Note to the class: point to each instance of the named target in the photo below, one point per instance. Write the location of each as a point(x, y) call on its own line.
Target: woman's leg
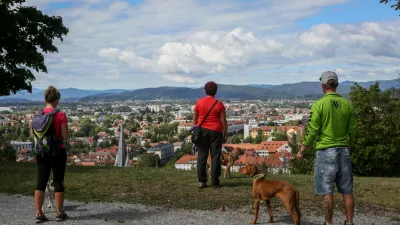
point(202, 155)
point(43, 173)
point(215, 149)
point(58, 179)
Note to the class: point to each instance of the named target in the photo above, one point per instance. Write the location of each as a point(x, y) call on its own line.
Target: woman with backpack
point(50, 134)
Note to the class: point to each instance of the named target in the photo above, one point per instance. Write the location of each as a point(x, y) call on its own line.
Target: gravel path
point(16, 209)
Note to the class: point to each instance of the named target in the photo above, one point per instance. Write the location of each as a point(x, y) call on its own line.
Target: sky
point(150, 43)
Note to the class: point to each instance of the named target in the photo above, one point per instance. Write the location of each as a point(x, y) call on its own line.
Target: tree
point(95, 138)
point(271, 124)
point(249, 139)
point(259, 137)
point(8, 152)
point(185, 149)
point(149, 119)
point(147, 145)
point(396, 6)
point(147, 160)
point(24, 37)
point(172, 140)
point(133, 140)
point(183, 134)
point(78, 134)
point(376, 151)
point(189, 116)
point(113, 142)
point(293, 123)
point(235, 139)
point(280, 135)
point(147, 135)
point(170, 164)
point(91, 132)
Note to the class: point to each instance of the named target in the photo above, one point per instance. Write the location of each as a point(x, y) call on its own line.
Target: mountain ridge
point(303, 89)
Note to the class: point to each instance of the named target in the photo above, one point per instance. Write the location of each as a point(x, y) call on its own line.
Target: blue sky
point(150, 43)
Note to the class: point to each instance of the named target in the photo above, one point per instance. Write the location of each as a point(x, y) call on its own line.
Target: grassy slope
point(175, 188)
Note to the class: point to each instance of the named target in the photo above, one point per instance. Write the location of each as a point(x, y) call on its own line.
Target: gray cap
point(328, 75)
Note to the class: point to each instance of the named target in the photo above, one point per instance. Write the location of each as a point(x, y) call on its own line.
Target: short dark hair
point(211, 88)
point(51, 94)
point(331, 84)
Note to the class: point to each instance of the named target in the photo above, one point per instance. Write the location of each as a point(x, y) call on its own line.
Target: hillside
point(245, 92)
point(224, 92)
point(67, 94)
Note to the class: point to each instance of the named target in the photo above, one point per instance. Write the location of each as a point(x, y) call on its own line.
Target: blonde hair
point(51, 94)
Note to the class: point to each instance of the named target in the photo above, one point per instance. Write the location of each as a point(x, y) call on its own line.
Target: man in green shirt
point(332, 126)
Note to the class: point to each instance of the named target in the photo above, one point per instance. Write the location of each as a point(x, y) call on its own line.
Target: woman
point(214, 130)
point(56, 163)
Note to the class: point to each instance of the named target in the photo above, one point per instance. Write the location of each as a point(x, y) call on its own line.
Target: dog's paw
point(271, 220)
point(253, 222)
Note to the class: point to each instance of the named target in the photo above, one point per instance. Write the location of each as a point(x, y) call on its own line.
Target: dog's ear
point(252, 170)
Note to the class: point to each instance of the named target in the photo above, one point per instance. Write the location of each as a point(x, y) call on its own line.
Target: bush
point(8, 152)
point(170, 164)
point(146, 160)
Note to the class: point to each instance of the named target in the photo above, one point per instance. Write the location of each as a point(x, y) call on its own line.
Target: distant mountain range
point(246, 92)
point(68, 94)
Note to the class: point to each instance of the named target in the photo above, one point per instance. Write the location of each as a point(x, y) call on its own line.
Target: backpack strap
point(54, 112)
point(216, 101)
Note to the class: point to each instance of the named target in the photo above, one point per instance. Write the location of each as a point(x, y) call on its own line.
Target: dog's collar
point(258, 176)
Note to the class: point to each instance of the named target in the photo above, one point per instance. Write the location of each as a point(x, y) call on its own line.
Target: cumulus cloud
point(204, 53)
point(179, 79)
point(186, 41)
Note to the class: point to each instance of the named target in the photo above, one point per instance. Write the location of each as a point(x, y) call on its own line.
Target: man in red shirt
point(214, 134)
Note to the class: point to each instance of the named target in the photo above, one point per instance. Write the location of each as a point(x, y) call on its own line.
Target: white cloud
point(204, 53)
point(179, 79)
point(120, 44)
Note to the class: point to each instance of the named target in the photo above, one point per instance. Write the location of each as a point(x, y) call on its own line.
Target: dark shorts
point(333, 166)
point(50, 163)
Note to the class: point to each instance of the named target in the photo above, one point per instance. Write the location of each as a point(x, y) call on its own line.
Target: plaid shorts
point(333, 165)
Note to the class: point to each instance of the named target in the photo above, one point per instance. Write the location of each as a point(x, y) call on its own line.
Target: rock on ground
point(17, 209)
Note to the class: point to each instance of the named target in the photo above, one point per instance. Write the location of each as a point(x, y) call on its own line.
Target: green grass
point(178, 189)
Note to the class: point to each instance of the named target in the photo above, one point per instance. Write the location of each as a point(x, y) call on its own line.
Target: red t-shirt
point(213, 120)
point(58, 119)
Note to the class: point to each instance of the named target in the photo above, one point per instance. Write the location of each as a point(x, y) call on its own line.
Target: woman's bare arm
point(64, 132)
point(195, 117)
point(224, 124)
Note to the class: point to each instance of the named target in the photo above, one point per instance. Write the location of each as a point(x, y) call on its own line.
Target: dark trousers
point(211, 141)
point(47, 163)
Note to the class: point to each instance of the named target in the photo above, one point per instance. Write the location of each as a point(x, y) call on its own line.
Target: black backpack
point(44, 134)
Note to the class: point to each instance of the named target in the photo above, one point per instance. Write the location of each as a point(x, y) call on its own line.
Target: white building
point(154, 108)
point(18, 145)
point(185, 126)
point(186, 162)
point(177, 145)
point(249, 127)
point(236, 126)
point(5, 109)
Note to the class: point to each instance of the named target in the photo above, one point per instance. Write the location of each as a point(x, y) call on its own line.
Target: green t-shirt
point(332, 123)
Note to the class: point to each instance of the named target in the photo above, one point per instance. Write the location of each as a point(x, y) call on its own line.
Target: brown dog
point(265, 190)
point(227, 159)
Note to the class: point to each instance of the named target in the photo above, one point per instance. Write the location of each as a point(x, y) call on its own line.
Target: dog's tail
point(297, 204)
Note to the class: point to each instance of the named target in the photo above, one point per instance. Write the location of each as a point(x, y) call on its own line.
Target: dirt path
point(16, 209)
